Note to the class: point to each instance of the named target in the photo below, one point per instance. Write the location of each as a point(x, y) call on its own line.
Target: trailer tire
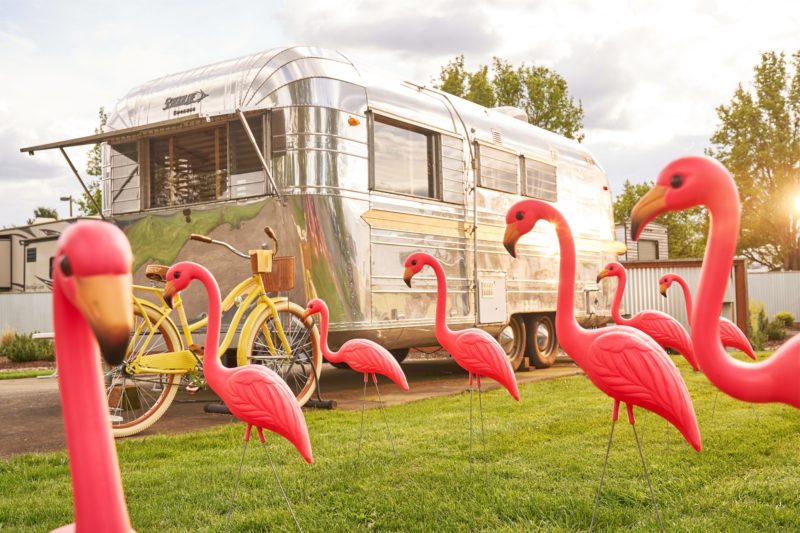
point(342, 366)
point(400, 354)
point(541, 342)
point(513, 340)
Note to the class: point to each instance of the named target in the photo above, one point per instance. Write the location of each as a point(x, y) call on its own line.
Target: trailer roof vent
point(497, 137)
point(513, 112)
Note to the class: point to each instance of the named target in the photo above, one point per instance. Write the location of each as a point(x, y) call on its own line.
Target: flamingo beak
point(646, 209)
point(407, 275)
point(169, 293)
point(662, 288)
point(510, 239)
point(105, 303)
point(306, 314)
point(603, 274)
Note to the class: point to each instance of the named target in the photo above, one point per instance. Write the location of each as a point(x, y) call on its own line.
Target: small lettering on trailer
point(184, 99)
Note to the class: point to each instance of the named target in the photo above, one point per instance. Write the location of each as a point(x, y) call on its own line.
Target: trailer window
point(189, 168)
point(498, 169)
point(540, 180)
point(452, 169)
point(403, 159)
point(247, 174)
point(124, 160)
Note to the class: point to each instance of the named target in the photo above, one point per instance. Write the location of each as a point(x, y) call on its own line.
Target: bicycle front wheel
point(300, 370)
point(137, 400)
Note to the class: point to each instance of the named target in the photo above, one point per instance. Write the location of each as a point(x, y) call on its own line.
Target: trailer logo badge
point(184, 99)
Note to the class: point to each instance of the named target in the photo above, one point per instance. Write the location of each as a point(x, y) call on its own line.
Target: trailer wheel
point(541, 343)
point(400, 354)
point(343, 366)
point(512, 340)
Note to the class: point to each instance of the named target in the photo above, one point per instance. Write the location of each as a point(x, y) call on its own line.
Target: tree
point(686, 230)
point(43, 212)
point(542, 93)
point(94, 168)
point(758, 140)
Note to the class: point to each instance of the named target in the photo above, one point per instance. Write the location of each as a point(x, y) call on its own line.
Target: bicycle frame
point(184, 360)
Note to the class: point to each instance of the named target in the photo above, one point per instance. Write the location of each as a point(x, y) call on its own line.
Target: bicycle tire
point(124, 392)
point(300, 371)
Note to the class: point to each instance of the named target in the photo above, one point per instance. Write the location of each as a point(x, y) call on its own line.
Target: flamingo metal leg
point(363, 404)
point(385, 421)
point(238, 475)
point(647, 476)
point(483, 434)
point(280, 485)
point(470, 423)
point(603, 472)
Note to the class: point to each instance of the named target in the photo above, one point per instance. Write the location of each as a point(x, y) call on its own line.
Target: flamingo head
point(520, 219)
point(612, 269)
point(664, 283)
point(179, 276)
point(414, 263)
point(93, 271)
point(315, 306)
point(684, 183)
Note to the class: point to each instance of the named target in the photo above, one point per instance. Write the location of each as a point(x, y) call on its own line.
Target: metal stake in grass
point(383, 410)
point(236, 483)
point(470, 424)
point(603, 473)
point(647, 475)
point(275, 473)
point(483, 435)
point(363, 405)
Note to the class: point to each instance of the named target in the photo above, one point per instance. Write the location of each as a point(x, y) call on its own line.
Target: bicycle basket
point(281, 278)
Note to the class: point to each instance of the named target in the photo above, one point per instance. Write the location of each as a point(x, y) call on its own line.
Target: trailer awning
point(129, 134)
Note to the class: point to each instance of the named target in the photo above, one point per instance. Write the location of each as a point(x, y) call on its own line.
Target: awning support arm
point(85, 188)
point(258, 152)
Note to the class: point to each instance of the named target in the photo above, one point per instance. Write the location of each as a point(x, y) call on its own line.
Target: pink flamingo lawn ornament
point(474, 350)
point(362, 356)
point(662, 328)
point(91, 308)
point(254, 394)
point(621, 361)
point(730, 335)
point(693, 181)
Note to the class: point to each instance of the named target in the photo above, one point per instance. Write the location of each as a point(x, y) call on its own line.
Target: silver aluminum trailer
point(355, 171)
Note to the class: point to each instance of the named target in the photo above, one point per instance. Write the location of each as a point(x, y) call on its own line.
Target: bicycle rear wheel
point(137, 401)
point(300, 370)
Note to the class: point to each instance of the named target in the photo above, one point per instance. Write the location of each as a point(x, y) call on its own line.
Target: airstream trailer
point(354, 171)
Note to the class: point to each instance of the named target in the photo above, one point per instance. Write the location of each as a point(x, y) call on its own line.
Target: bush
point(759, 323)
point(786, 318)
point(26, 348)
point(6, 338)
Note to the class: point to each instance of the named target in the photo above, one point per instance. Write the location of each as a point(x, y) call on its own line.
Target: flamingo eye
point(520, 215)
point(66, 267)
point(414, 262)
point(176, 275)
point(676, 181)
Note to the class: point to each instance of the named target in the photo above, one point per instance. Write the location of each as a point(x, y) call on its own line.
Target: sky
point(649, 75)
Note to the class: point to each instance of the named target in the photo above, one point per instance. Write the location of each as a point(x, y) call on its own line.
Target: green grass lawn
point(544, 456)
point(20, 374)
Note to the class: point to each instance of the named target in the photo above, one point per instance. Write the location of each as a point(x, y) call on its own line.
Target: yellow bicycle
point(160, 358)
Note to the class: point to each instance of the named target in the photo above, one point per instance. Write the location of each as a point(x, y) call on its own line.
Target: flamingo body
point(361, 355)
point(91, 315)
point(729, 333)
point(254, 394)
point(685, 183)
point(664, 329)
point(621, 361)
point(473, 349)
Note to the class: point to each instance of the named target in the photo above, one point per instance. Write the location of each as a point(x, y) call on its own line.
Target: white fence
point(778, 291)
point(26, 312)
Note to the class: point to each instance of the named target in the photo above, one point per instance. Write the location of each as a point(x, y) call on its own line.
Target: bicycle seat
point(156, 273)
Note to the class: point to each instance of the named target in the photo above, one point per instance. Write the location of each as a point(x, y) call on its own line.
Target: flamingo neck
point(570, 333)
point(443, 333)
point(622, 281)
point(212, 367)
point(717, 263)
point(96, 483)
point(324, 319)
point(687, 296)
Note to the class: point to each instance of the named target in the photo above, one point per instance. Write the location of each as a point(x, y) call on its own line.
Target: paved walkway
point(31, 420)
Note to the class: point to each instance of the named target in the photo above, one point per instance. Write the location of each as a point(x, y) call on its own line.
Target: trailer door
point(5, 263)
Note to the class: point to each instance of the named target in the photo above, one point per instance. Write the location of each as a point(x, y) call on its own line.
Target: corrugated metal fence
point(778, 291)
point(642, 293)
point(26, 312)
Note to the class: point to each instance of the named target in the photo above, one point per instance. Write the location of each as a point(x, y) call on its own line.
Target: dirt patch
point(7, 364)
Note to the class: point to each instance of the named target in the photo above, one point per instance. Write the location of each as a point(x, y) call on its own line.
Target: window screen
point(540, 180)
point(247, 174)
point(452, 169)
point(30, 255)
point(124, 159)
point(498, 169)
point(403, 159)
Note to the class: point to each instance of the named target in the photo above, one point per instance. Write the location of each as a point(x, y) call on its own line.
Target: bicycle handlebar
point(209, 240)
point(271, 234)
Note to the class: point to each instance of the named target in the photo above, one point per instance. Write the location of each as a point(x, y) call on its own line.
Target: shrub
point(6, 338)
point(786, 317)
point(759, 323)
point(26, 348)
point(776, 330)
